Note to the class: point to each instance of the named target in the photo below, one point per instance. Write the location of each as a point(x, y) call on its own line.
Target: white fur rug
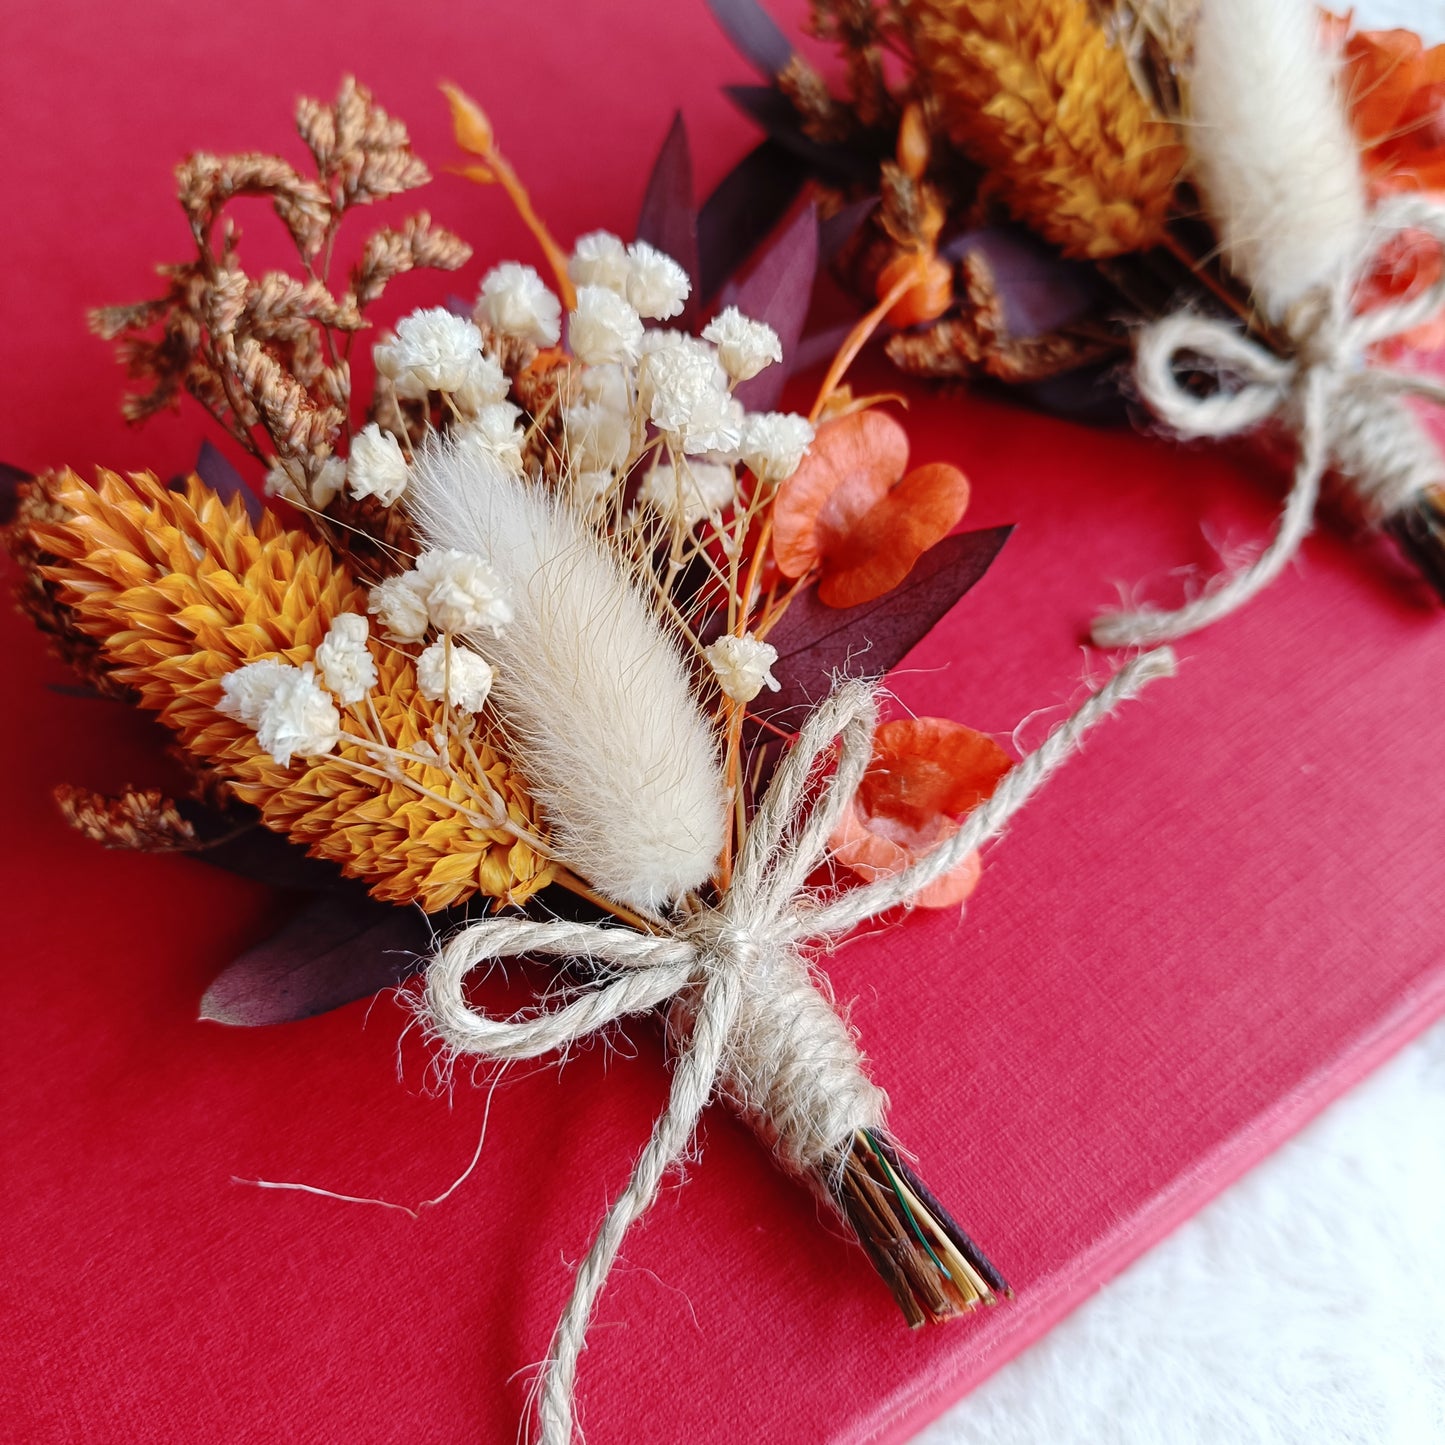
point(1305, 1306)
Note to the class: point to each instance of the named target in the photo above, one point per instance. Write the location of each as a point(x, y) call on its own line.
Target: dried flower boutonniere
point(1242, 195)
point(554, 617)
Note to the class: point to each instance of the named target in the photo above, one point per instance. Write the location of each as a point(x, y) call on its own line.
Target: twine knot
point(1345, 409)
point(747, 1016)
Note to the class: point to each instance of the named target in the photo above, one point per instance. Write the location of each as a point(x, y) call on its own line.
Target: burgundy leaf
point(225, 481)
point(10, 479)
point(842, 226)
point(249, 849)
point(668, 219)
point(1039, 289)
point(81, 690)
point(774, 112)
point(823, 345)
point(336, 950)
point(1092, 395)
point(747, 203)
point(755, 35)
point(815, 641)
point(778, 291)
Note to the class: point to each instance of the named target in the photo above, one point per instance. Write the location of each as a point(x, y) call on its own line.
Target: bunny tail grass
point(591, 692)
point(1271, 148)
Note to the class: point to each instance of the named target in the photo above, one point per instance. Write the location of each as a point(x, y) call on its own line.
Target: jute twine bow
point(1344, 410)
point(759, 1028)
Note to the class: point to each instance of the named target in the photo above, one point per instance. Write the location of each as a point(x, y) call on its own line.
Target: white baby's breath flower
point(455, 673)
point(399, 603)
point(666, 338)
point(743, 666)
point(604, 327)
point(347, 666)
point(462, 592)
point(247, 690)
point(598, 438)
point(299, 718)
point(690, 492)
point(656, 285)
point(744, 346)
point(287, 480)
point(685, 392)
point(495, 431)
point(773, 444)
point(606, 385)
point(433, 350)
point(377, 466)
point(515, 301)
point(484, 384)
point(600, 259)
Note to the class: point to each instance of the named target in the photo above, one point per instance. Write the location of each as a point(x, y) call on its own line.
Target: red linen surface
point(1224, 912)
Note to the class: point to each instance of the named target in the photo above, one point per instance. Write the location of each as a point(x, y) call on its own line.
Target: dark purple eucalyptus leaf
point(842, 226)
point(1092, 395)
point(1040, 290)
point(774, 112)
point(240, 843)
point(815, 641)
point(458, 307)
point(754, 34)
point(336, 950)
point(10, 479)
point(668, 219)
point(225, 481)
point(823, 345)
point(778, 291)
point(747, 203)
point(81, 690)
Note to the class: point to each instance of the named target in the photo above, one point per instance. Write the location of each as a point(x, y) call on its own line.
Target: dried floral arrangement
point(1227, 209)
point(542, 623)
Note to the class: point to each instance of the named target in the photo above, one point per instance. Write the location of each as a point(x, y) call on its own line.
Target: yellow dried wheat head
point(1036, 93)
point(180, 590)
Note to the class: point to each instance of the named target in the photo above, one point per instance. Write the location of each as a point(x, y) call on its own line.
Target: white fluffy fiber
point(589, 687)
point(1302, 1307)
point(1271, 147)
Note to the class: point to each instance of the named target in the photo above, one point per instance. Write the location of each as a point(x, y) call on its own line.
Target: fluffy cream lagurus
point(1271, 148)
point(589, 687)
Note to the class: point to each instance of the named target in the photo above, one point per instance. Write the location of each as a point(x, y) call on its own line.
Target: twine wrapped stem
point(1344, 410)
point(737, 970)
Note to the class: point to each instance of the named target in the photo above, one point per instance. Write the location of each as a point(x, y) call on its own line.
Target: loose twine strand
point(1344, 411)
point(738, 969)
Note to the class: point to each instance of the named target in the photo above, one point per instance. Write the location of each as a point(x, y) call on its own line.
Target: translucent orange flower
point(852, 513)
point(926, 773)
point(1410, 263)
point(1395, 87)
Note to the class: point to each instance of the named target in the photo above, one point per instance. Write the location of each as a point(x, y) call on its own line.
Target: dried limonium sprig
point(269, 355)
point(563, 674)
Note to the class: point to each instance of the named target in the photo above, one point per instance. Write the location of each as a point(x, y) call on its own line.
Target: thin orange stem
point(857, 339)
point(510, 182)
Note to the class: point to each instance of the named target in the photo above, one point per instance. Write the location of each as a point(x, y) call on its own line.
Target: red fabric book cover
point(1218, 917)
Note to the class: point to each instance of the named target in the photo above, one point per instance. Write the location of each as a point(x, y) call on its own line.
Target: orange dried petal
point(929, 766)
point(876, 551)
point(863, 455)
point(872, 856)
